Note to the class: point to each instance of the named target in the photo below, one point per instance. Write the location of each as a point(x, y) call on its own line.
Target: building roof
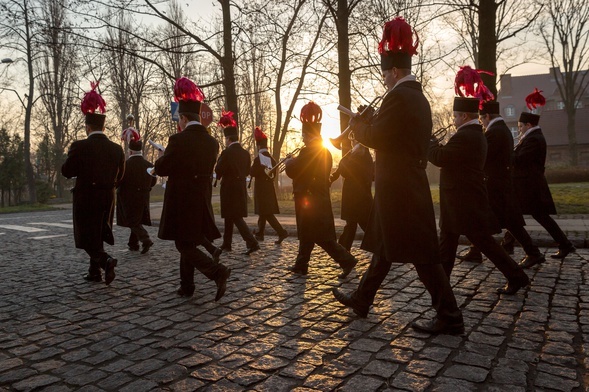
point(553, 119)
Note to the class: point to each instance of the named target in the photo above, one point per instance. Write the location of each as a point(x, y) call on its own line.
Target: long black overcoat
point(133, 193)
point(464, 204)
point(188, 162)
point(265, 202)
point(498, 169)
point(529, 181)
point(402, 224)
point(232, 169)
point(98, 164)
point(357, 169)
point(310, 172)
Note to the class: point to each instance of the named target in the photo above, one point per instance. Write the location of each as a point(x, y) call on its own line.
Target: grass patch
point(571, 198)
point(26, 208)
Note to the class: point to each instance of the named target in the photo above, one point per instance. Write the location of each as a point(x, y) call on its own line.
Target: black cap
point(96, 119)
point(490, 107)
point(189, 107)
point(531, 118)
point(135, 145)
point(312, 128)
point(466, 105)
point(389, 60)
point(230, 131)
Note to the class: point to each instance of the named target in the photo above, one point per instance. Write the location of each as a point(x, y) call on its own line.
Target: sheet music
point(155, 145)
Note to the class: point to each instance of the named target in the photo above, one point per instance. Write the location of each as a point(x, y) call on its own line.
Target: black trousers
point(208, 245)
point(245, 232)
point(97, 260)
point(192, 258)
point(271, 219)
point(551, 227)
point(487, 244)
point(138, 233)
point(333, 249)
point(520, 234)
point(349, 233)
point(432, 276)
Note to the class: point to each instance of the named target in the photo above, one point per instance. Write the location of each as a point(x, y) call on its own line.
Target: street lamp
point(6, 61)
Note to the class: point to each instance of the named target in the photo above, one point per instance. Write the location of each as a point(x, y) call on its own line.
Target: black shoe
point(134, 248)
point(221, 282)
point(300, 270)
point(348, 267)
point(514, 286)
point(146, 245)
point(217, 254)
point(281, 238)
point(530, 261)
point(473, 254)
point(564, 252)
point(350, 302)
point(93, 277)
point(225, 248)
point(436, 326)
point(185, 291)
point(251, 250)
point(109, 270)
point(257, 235)
point(507, 247)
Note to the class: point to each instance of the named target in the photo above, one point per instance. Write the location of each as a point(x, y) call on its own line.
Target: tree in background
point(565, 32)
point(12, 169)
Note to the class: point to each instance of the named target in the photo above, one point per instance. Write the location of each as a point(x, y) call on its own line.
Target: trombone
point(440, 134)
point(337, 142)
point(280, 165)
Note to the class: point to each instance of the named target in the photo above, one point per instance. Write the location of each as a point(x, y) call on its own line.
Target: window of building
point(578, 104)
point(555, 156)
point(515, 134)
point(510, 111)
point(560, 105)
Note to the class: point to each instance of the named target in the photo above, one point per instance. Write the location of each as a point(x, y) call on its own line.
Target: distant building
point(511, 96)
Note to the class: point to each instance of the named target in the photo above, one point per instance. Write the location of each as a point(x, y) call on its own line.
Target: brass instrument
point(440, 134)
point(281, 165)
point(337, 142)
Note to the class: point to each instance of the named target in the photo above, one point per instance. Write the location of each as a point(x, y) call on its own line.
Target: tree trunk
point(487, 43)
point(29, 108)
point(571, 121)
point(344, 74)
point(227, 62)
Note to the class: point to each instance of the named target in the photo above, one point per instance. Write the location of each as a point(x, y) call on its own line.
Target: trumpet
point(440, 134)
point(280, 165)
point(337, 142)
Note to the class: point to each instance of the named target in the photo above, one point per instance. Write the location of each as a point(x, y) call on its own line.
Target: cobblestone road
point(273, 331)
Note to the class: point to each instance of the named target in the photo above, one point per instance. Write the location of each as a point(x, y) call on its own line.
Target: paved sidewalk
point(275, 331)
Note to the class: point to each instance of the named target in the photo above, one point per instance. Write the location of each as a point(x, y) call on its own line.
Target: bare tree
point(19, 27)
point(566, 35)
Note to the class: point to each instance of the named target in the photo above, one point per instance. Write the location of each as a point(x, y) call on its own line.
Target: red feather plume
point(397, 36)
point(311, 113)
point(92, 101)
point(259, 134)
point(186, 90)
point(468, 83)
point(535, 99)
point(227, 119)
point(130, 134)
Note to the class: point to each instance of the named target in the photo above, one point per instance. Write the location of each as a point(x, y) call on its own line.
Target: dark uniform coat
point(133, 193)
point(310, 172)
point(528, 176)
point(265, 202)
point(464, 204)
point(498, 169)
point(188, 162)
point(357, 169)
point(402, 225)
point(98, 164)
point(233, 167)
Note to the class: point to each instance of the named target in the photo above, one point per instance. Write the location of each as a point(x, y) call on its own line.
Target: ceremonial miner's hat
point(490, 107)
point(397, 45)
point(533, 101)
point(135, 145)
point(472, 92)
point(228, 123)
point(92, 102)
point(311, 115)
point(188, 95)
point(260, 137)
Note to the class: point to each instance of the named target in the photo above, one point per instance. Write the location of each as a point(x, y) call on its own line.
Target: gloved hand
point(365, 113)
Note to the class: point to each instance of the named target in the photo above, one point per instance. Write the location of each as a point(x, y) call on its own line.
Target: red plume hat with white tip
point(228, 123)
point(311, 115)
point(397, 45)
point(92, 102)
point(188, 95)
point(472, 92)
point(260, 138)
point(533, 101)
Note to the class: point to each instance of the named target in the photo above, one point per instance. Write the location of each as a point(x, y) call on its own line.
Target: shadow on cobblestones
point(274, 331)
